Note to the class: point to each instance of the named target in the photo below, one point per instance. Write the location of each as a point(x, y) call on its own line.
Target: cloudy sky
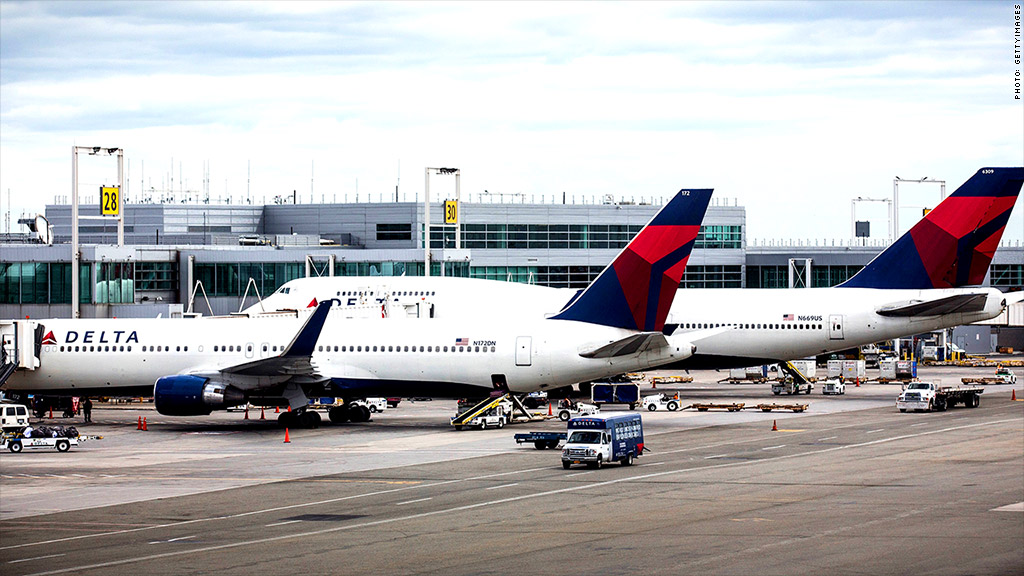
point(793, 109)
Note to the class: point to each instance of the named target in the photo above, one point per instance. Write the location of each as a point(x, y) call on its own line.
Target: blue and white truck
point(595, 440)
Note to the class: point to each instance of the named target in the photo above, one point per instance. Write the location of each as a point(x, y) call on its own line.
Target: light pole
point(896, 197)
point(426, 216)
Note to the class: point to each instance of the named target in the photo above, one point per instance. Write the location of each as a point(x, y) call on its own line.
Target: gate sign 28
point(110, 200)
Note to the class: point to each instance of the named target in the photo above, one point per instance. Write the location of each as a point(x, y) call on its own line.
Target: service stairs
point(519, 411)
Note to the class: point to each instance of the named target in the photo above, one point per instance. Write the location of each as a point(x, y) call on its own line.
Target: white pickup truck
point(927, 396)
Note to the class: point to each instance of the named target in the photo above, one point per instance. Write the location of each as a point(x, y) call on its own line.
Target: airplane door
point(524, 350)
point(249, 347)
point(835, 327)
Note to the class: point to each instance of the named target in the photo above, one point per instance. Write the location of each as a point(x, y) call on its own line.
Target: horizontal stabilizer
point(957, 303)
point(629, 346)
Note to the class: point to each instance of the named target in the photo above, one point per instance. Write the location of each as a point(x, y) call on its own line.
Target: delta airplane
point(927, 280)
point(192, 367)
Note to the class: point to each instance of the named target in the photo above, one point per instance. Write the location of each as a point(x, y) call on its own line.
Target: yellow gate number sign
point(110, 200)
point(451, 212)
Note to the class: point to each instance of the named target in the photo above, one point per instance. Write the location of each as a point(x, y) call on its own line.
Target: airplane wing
point(296, 358)
point(947, 305)
point(628, 346)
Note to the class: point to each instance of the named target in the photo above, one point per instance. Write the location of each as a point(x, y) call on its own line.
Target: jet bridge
point(20, 342)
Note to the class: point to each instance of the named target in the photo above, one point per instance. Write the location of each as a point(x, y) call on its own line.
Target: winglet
point(305, 341)
point(635, 291)
point(953, 245)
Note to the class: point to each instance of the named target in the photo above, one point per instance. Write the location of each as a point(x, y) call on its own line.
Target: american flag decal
point(787, 316)
point(462, 341)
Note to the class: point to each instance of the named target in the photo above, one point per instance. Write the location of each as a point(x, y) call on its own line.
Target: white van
point(13, 416)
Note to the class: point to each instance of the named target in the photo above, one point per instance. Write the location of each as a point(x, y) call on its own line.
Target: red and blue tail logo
point(635, 291)
point(953, 245)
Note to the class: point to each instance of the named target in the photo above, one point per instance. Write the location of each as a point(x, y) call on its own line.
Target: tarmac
point(851, 486)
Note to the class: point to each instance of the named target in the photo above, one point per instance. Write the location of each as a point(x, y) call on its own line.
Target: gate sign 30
point(110, 200)
point(451, 212)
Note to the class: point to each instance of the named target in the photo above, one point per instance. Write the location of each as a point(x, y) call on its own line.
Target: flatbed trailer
point(927, 396)
point(736, 407)
point(793, 407)
point(541, 440)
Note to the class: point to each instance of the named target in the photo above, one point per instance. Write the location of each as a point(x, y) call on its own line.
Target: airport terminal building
point(228, 250)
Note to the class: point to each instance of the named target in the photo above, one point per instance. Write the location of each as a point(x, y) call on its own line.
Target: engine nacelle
point(193, 396)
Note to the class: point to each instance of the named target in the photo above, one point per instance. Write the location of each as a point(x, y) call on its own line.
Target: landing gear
point(304, 419)
point(349, 413)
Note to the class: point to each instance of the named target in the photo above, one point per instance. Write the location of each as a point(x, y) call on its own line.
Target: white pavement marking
point(173, 540)
point(716, 456)
point(36, 558)
point(774, 447)
point(873, 431)
point(493, 502)
point(281, 523)
point(413, 501)
point(1018, 507)
point(502, 486)
point(651, 464)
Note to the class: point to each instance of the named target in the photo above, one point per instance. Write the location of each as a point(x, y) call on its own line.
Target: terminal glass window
point(402, 231)
point(712, 277)
point(1007, 275)
point(767, 277)
point(115, 283)
point(42, 283)
point(156, 276)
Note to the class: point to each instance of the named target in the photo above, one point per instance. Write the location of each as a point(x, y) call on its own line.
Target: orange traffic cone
point(277, 409)
point(550, 413)
point(1013, 395)
point(262, 417)
point(654, 384)
point(246, 413)
point(51, 411)
point(139, 425)
point(774, 427)
point(858, 383)
point(144, 427)
point(286, 439)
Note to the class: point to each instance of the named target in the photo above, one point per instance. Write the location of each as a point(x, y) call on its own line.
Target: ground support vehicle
point(795, 380)
point(16, 442)
point(927, 396)
point(535, 399)
point(13, 417)
point(660, 402)
point(569, 408)
point(595, 440)
point(493, 411)
point(374, 405)
point(833, 386)
point(615, 393)
point(1003, 376)
point(729, 407)
point(793, 407)
point(790, 386)
point(541, 440)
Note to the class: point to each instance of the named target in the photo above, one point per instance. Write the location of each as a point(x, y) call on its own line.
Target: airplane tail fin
point(953, 244)
point(635, 291)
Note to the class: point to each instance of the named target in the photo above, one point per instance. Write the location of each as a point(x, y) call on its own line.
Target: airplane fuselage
point(445, 358)
point(765, 325)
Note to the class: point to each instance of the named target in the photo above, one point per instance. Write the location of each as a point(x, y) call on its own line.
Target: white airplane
point(922, 282)
point(192, 367)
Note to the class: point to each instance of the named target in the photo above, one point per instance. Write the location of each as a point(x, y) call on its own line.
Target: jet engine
point(193, 396)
